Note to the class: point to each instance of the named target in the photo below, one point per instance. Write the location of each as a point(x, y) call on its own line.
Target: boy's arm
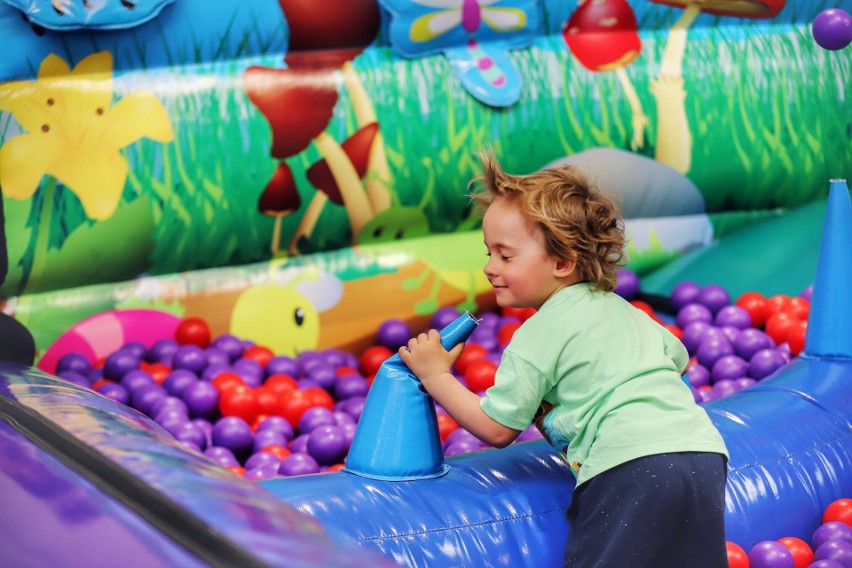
point(431, 363)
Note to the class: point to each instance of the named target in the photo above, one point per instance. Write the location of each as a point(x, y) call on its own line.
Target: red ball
point(292, 404)
point(840, 510)
point(506, 331)
point(259, 354)
point(646, 307)
point(802, 553)
point(480, 375)
point(237, 470)
point(277, 450)
point(778, 326)
point(267, 400)
point(799, 307)
point(522, 314)
point(446, 426)
point(472, 352)
point(158, 372)
point(737, 557)
point(334, 468)
point(319, 397)
point(674, 330)
point(227, 381)
point(240, 401)
point(372, 358)
point(777, 303)
point(796, 337)
point(193, 331)
point(756, 305)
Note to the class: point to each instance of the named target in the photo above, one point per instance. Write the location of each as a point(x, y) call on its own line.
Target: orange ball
point(480, 375)
point(756, 305)
point(193, 331)
point(801, 551)
point(840, 510)
point(737, 557)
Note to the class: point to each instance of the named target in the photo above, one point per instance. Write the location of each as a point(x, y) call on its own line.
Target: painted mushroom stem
point(278, 199)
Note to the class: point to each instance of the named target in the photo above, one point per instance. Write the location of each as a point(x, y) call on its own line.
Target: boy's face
point(519, 268)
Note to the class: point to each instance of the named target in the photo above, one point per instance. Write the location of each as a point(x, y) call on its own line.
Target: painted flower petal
point(97, 178)
point(23, 161)
point(28, 103)
point(134, 116)
point(53, 66)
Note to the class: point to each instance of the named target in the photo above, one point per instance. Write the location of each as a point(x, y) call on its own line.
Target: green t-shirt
point(613, 376)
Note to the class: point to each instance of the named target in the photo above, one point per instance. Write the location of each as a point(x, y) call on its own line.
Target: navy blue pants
point(660, 511)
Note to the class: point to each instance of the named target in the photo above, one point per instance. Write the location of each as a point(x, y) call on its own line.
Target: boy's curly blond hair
point(578, 220)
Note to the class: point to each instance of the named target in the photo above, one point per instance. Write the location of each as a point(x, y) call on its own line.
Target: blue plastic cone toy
point(830, 320)
point(397, 437)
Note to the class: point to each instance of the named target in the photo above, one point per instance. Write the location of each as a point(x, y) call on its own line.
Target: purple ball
point(838, 550)
point(463, 447)
point(698, 375)
point(832, 29)
point(714, 297)
point(684, 293)
point(136, 379)
point(691, 313)
point(770, 554)
point(327, 444)
point(442, 317)
point(76, 378)
point(334, 357)
point(750, 341)
point(733, 316)
point(205, 426)
point(119, 364)
point(209, 373)
point(265, 471)
point(729, 367)
point(707, 395)
point(170, 419)
point(299, 444)
point(764, 363)
point(135, 347)
point(627, 283)
point(217, 357)
point(277, 423)
point(169, 402)
point(348, 430)
point(305, 360)
point(73, 362)
point(315, 417)
point(693, 335)
point(832, 530)
point(531, 433)
point(351, 385)
point(393, 334)
point(744, 382)
point(298, 464)
point(201, 398)
point(189, 432)
point(807, 292)
point(354, 406)
point(712, 349)
point(324, 375)
point(341, 418)
point(308, 384)
point(190, 357)
point(177, 381)
point(222, 456)
point(250, 370)
point(725, 387)
point(114, 391)
point(825, 563)
point(146, 397)
point(230, 344)
point(234, 433)
point(282, 365)
point(161, 351)
point(262, 458)
point(269, 437)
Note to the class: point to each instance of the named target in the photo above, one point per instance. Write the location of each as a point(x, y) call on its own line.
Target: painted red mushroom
point(674, 140)
point(604, 36)
point(279, 198)
point(339, 24)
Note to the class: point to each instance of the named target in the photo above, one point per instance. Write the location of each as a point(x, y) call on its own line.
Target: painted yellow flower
point(74, 133)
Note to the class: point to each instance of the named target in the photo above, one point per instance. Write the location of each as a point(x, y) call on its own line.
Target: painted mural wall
point(296, 176)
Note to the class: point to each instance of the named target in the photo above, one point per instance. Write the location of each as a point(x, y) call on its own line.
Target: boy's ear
point(564, 267)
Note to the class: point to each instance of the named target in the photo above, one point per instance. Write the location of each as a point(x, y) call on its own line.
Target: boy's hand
point(427, 358)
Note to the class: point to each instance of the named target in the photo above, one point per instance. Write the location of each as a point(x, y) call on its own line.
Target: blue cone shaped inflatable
point(397, 437)
point(830, 320)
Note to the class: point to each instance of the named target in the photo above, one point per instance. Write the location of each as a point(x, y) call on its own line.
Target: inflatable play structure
point(296, 175)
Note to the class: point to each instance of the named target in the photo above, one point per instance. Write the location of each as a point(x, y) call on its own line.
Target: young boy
point(599, 377)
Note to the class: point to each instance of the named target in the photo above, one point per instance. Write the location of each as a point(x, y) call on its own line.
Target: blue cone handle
point(397, 438)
